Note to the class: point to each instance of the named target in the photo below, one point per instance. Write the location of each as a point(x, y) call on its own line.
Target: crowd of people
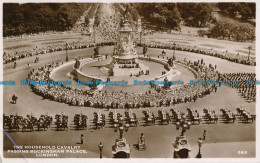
point(219, 54)
point(130, 66)
point(13, 56)
point(107, 30)
point(246, 88)
point(102, 99)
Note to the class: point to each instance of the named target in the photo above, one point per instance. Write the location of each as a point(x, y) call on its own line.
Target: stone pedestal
point(129, 69)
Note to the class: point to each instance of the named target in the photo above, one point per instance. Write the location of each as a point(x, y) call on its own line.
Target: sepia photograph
point(152, 80)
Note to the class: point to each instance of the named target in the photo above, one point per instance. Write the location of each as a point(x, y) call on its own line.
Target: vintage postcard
point(96, 81)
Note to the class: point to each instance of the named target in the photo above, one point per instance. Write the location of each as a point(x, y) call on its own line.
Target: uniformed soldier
point(81, 138)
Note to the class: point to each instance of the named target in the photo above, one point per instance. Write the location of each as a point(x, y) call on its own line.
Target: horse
point(228, 116)
point(80, 121)
point(27, 124)
point(247, 117)
point(163, 116)
point(149, 117)
point(132, 119)
point(99, 120)
point(14, 99)
point(210, 116)
point(42, 123)
point(13, 123)
point(176, 115)
point(61, 121)
point(240, 111)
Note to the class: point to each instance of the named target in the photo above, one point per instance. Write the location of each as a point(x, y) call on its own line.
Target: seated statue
point(170, 62)
point(145, 50)
point(96, 52)
point(77, 64)
point(166, 85)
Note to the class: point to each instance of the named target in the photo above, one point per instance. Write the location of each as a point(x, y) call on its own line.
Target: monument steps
point(104, 70)
point(99, 87)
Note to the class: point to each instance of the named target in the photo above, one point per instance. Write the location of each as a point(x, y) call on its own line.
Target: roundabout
point(125, 67)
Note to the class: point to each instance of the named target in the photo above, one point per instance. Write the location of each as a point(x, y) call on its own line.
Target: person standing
point(142, 139)
point(204, 135)
point(14, 64)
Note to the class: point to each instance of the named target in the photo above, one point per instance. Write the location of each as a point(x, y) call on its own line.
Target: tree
point(40, 17)
point(174, 16)
point(162, 15)
point(233, 31)
point(196, 14)
point(246, 10)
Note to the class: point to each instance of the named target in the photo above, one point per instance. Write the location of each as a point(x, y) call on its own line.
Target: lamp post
point(174, 44)
point(200, 141)
point(67, 58)
point(183, 124)
point(139, 29)
point(140, 38)
point(94, 36)
point(122, 127)
point(100, 147)
point(249, 48)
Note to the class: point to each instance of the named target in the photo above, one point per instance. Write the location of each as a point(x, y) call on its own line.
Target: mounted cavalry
point(114, 117)
point(14, 99)
point(245, 116)
point(99, 120)
point(80, 121)
point(163, 116)
point(176, 115)
point(228, 115)
point(12, 122)
point(27, 124)
point(193, 116)
point(210, 116)
point(149, 117)
point(61, 121)
point(44, 122)
point(131, 118)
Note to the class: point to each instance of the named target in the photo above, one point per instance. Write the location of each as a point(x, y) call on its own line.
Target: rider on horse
point(14, 99)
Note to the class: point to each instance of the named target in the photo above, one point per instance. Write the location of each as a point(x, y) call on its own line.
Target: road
point(157, 137)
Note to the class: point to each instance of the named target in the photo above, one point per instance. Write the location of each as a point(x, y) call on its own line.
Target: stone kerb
point(163, 62)
point(60, 67)
point(79, 75)
point(82, 76)
point(162, 77)
point(192, 70)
